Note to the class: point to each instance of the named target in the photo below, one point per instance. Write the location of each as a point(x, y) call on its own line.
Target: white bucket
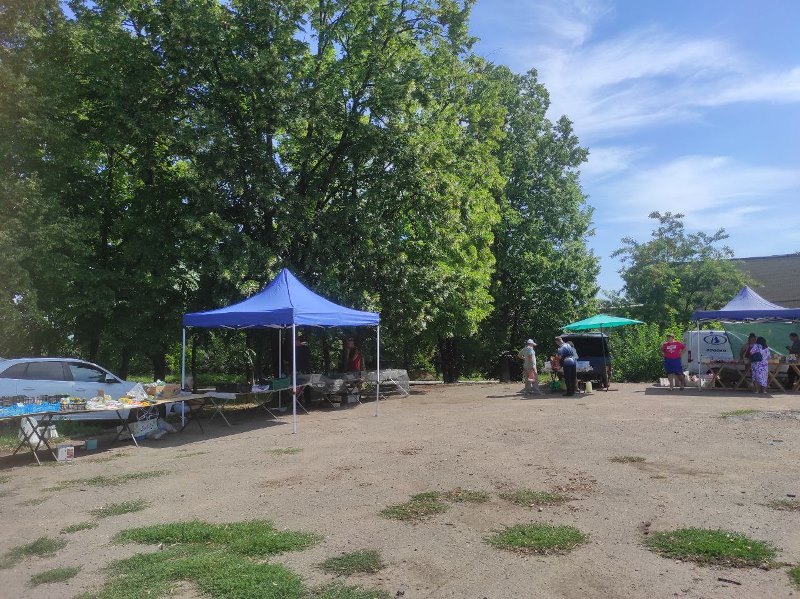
point(588, 386)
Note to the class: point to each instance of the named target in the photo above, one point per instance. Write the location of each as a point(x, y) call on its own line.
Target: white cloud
point(605, 161)
point(635, 79)
point(712, 191)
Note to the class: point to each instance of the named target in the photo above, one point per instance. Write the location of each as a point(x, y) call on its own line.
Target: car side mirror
point(110, 380)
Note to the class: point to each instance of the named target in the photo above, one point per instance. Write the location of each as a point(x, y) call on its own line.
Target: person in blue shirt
point(569, 362)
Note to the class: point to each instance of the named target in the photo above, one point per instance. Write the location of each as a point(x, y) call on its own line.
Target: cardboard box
point(65, 452)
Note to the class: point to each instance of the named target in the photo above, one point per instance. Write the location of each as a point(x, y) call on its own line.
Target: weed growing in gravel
point(107, 458)
point(5, 478)
point(284, 450)
point(527, 497)
point(367, 562)
point(785, 505)
point(418, 508)
point(34, 501)
point(627, 459)
point(460, 495)
point(107, 481)
point(538, 538)
point(718, 547)
point(794, 574)
point(340, 591)
point(191, 454)
point(117, 509)
point(54, 575)
point(41, 547)
point(78, 527)
point(734, 413)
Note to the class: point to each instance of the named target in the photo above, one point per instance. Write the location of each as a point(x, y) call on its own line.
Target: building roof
point(778, 277)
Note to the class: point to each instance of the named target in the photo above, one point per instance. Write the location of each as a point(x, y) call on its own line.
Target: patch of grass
point(794, 574)
point(215, 558)
point(742, 412)
point(367, 562)
point(74, 428)
point(5, 478)
point(54, 575)
point(41, 547)
point(215, 573)
point(107, 481)
point(9, 439)
point(527, 497)
point(785, 505)
point(420, 507)
point(256, 538)
point(460, 495)
point(538, 538)
point(78, 527)
point(340, 591)
point(117, 509)
point(627, 459)
point(706, 546)
point(34, 501)
point(284, 450)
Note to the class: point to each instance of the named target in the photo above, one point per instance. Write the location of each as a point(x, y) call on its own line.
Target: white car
point(58, 376)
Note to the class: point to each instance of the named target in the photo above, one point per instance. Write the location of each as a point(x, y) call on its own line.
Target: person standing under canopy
point(671, 351)
point(794, 350)
point(759, 363)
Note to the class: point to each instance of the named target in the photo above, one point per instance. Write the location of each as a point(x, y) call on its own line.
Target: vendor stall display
point(746, 307)
point(283, 304)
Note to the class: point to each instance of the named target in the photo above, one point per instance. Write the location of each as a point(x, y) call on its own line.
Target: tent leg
point(697, 358)
point(183, 377)
point(280, 366)
point(294, 379)
point(183, 360)
point(606, 364)
point(378, 372)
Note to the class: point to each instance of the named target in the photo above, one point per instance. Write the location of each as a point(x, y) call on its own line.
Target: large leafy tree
point(546, 274)
point(185, 151)
point(676, 272)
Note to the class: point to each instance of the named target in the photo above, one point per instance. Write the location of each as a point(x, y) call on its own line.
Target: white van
point(714, 345)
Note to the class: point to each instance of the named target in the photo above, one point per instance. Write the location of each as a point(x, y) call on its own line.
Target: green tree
point(546, 274)
point(676, 272)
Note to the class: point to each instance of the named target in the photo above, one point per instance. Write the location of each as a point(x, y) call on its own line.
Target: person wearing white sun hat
point(529, 374)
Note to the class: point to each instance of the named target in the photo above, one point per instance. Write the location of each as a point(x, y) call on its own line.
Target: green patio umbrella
point(601, 321)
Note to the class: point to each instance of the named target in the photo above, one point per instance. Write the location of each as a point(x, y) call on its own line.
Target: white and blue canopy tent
point(746, 306)
point(285, 303)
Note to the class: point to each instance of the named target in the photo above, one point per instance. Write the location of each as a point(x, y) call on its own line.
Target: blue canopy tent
point(746, 306)
point(282, 304)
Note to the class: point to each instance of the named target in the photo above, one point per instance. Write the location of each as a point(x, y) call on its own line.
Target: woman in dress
point(759, 363)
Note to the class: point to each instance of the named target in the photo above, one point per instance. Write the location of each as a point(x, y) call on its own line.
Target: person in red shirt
point(671, 350)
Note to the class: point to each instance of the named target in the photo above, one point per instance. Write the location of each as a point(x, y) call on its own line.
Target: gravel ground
point(699, 469)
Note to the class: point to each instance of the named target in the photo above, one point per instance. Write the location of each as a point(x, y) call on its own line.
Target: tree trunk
point(94, 349)
point(159, 365)
point(326, 352)
point(124, 362)
point(450, 357)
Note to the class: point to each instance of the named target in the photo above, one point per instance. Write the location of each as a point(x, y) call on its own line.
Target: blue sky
point(688, 106)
